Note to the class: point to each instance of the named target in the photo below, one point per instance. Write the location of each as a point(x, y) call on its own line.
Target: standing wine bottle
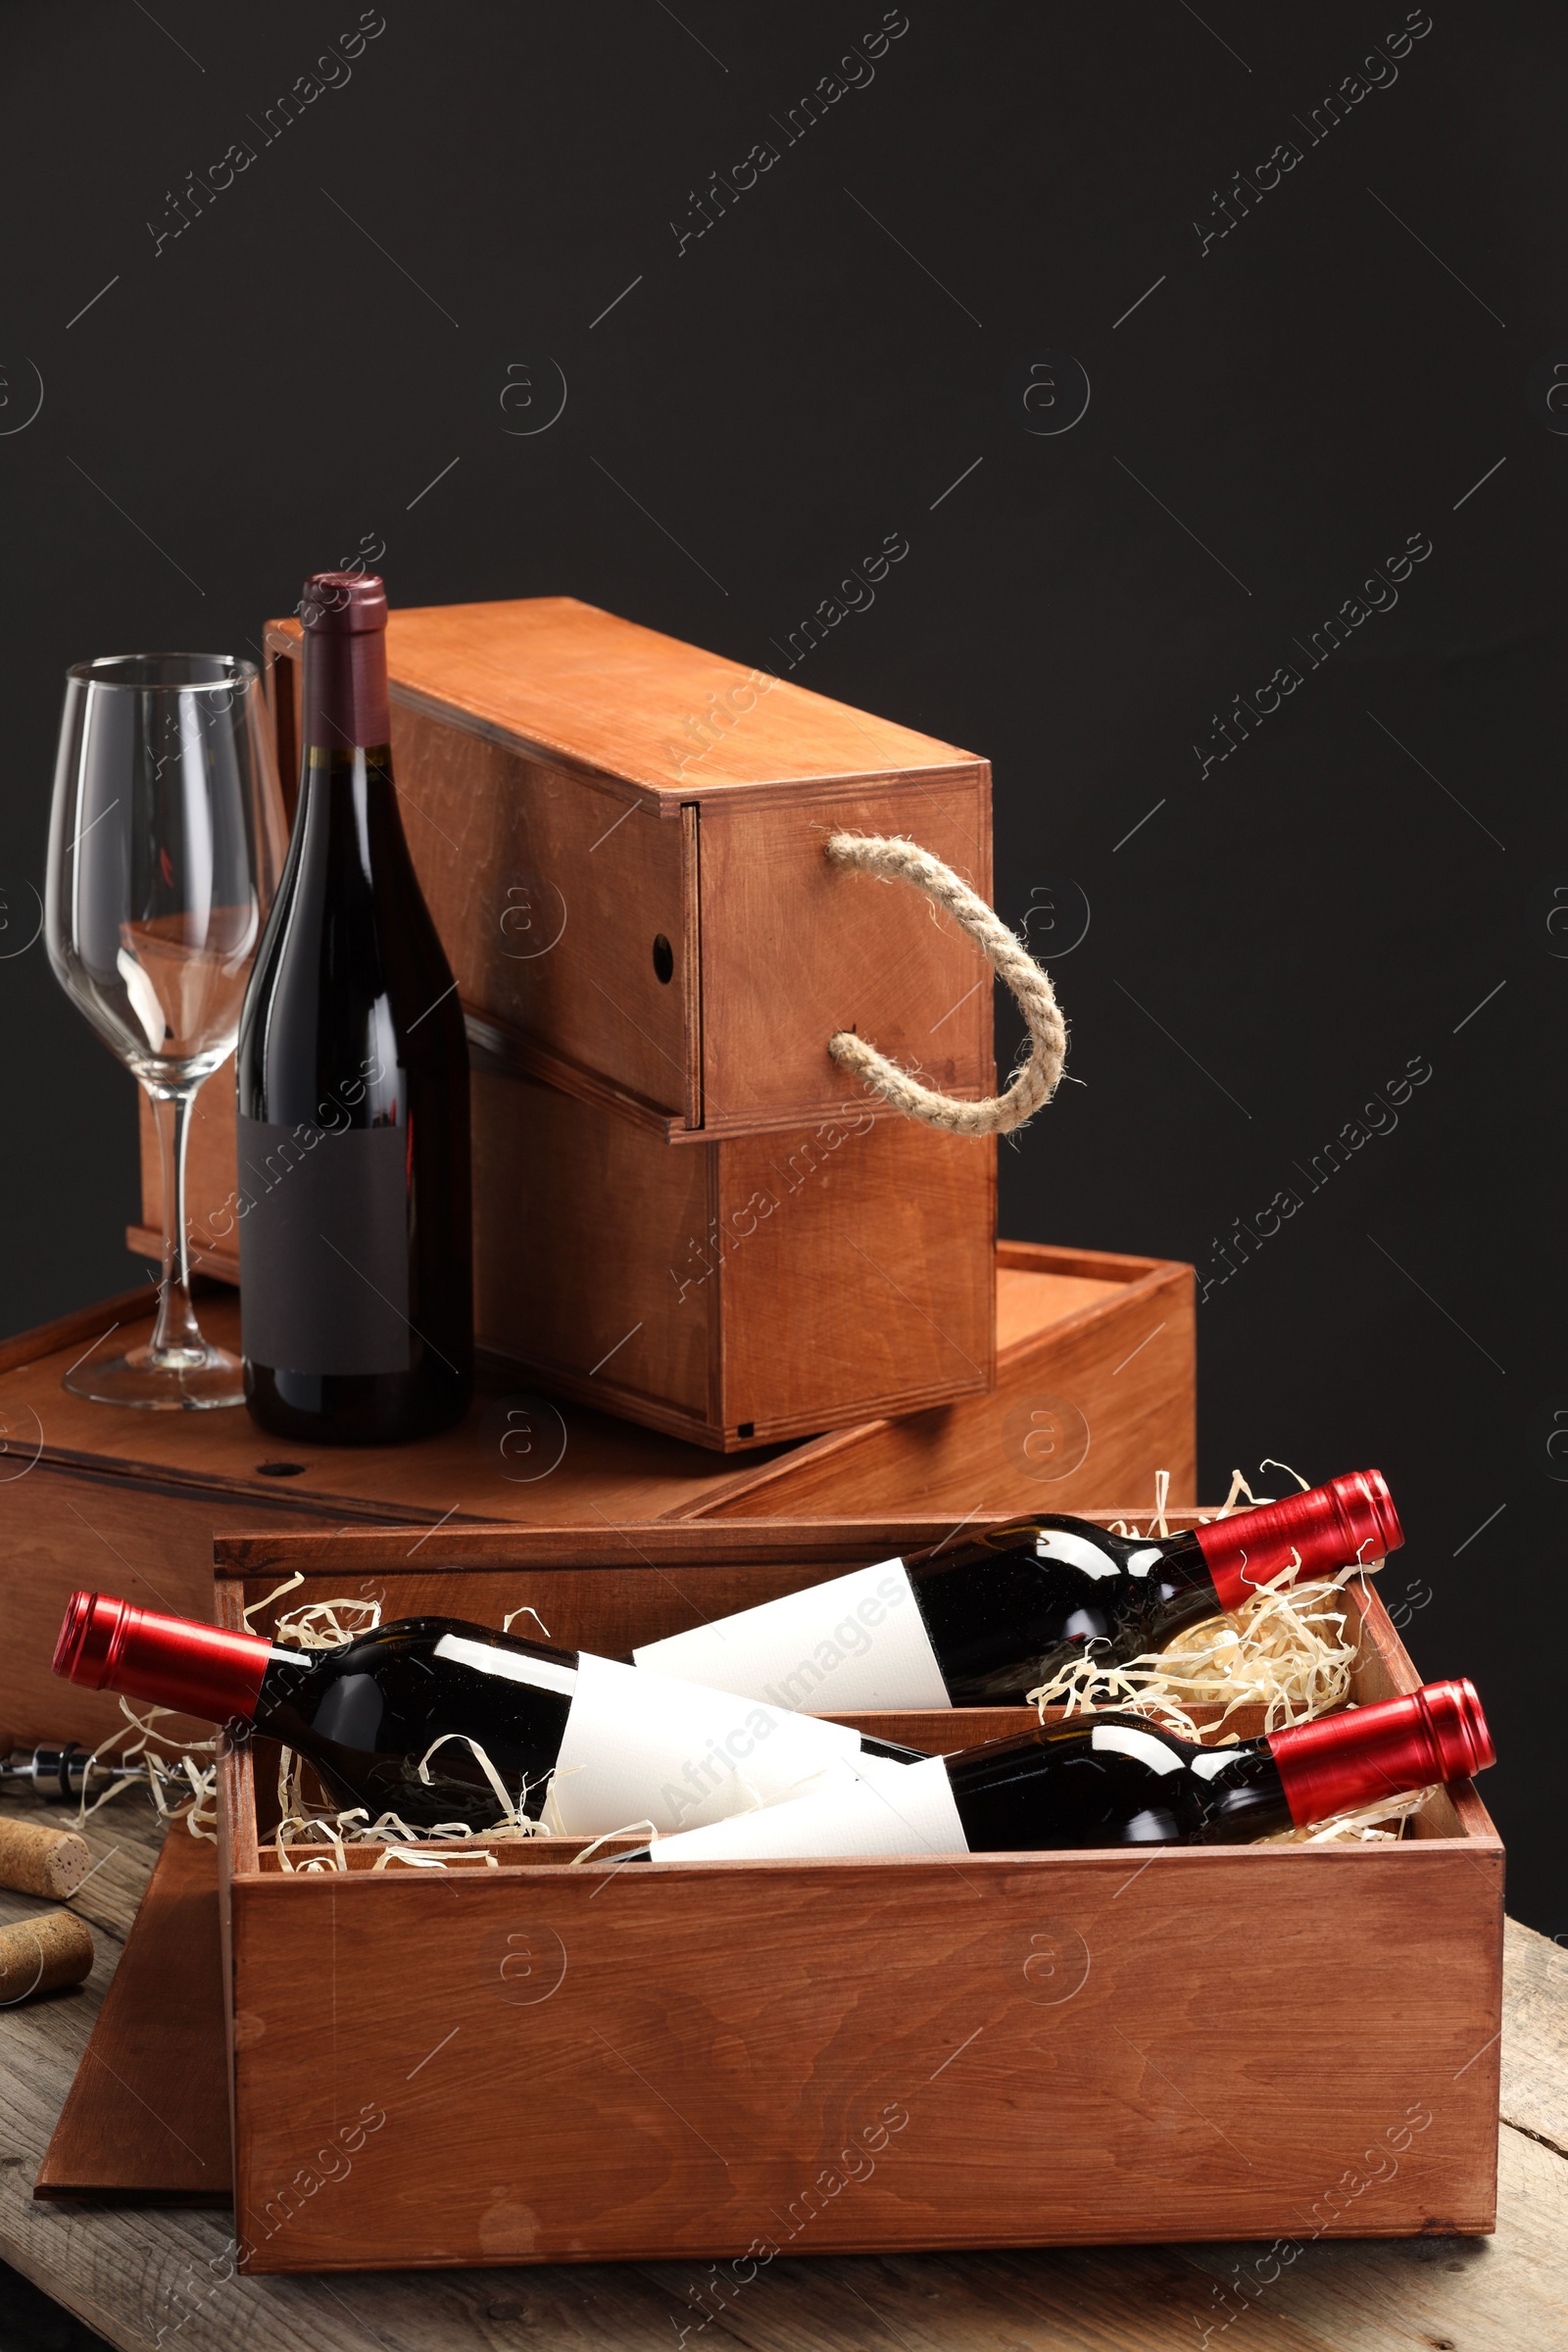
point(625, 1747)
point(1116, 1780)
point(356, 1257)
point(984, 1623)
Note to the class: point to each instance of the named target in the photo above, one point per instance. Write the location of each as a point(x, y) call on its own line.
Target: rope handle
point(1035, 1082)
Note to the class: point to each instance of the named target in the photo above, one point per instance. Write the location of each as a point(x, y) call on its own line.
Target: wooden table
point(155, 2275)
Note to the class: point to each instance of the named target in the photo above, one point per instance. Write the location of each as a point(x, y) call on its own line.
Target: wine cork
point(37, 1954)
point(36, 1859)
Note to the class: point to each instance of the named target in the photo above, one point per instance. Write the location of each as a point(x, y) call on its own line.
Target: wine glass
point(165, 843)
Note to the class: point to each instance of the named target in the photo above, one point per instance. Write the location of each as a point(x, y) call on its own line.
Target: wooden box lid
point(621, 838)
point(552, 676)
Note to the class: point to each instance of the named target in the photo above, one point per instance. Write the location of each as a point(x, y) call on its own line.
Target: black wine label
point(323, 1247)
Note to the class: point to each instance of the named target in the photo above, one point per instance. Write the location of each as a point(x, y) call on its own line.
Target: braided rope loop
point(1035, 1082)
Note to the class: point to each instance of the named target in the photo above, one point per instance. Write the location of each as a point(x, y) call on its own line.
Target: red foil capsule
point(1351, 1519)
point(1365, 1755)
point(111, 1644)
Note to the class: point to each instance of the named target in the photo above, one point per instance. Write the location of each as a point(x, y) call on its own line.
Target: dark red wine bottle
point(1118, 1779)
point(355, 1258)
point(628, 1747)
point(983, 1623)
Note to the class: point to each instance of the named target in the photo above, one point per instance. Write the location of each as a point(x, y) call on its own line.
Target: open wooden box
point(1096, 1392)
point(731, 2061)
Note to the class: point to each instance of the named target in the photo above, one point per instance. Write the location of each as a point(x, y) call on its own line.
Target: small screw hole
point(663, 960)
point(280, 1469)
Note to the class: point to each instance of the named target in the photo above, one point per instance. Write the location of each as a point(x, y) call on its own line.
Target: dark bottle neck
point(1115, 1780)
point(1007, 1611)
point(1177, 1560)
point(344, 703)
point(345, 730)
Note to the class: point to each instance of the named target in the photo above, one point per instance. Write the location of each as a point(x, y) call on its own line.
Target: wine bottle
point(617, 1746)
point(356, 1273)
point(985, 1622)
point(1116, 1780)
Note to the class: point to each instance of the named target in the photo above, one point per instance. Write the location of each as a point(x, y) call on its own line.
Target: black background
point(274, 388)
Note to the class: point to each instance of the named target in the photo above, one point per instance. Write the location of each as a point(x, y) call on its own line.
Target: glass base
point(209, 1377)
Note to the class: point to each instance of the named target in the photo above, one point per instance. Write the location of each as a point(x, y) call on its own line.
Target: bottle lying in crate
point(984, 1623)
point(1116, 1780)
point(438, 1722)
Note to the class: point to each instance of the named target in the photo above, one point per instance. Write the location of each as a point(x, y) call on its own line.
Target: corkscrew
point(57, 1772)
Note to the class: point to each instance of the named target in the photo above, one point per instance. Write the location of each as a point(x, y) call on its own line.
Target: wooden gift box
point(726, 2062)
point(1094, 1392)
point(646, 932)
point(620, 840)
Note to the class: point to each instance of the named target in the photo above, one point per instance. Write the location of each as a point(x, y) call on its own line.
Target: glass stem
point(176, 1343)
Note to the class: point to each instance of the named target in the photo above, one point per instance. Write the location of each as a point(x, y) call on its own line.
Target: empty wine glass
point(165, 842)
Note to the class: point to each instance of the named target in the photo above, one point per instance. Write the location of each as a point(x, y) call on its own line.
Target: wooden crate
point(577, 789)
point(1094, 1392)
point(736, 2061)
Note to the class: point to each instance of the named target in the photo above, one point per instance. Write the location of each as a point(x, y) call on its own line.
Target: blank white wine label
point(643, 1747)
point(885, 1808)
point(856, 1645)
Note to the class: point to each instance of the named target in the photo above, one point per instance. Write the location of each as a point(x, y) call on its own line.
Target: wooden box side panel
point(590, 1239)
point(549, 891)
point(541, 746)
point(1085, 1411)
point(794, 949)
point(858, 1273)
point(732, 2063)
point(608, 1611)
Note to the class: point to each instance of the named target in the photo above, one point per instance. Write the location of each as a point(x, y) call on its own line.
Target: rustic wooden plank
point(128, 2276)
point(1535, 2039)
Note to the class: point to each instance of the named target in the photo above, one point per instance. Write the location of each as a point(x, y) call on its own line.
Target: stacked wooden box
point(685, 1212)
point(1095, 1391)
point(686, 1217)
